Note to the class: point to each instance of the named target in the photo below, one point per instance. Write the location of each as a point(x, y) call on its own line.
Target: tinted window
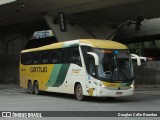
point(45, 57)
point(26, 58)
point(57, 56)
point(66, 56)
point(54, 56)
point(37, 59)
point(76, 56)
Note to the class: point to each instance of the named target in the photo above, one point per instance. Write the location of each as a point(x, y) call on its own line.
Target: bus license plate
point(118, 93)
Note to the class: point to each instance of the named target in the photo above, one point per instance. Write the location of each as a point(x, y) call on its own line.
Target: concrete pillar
point(2, 54)
point(2, 45)
point(73, 31)
point(11, 45)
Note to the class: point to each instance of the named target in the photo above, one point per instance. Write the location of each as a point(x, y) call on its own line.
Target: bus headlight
point(132, 84)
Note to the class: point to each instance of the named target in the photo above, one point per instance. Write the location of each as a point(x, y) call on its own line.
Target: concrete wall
point(1, 47)
point(9, 70)
point(148, 73)
point(11, 45)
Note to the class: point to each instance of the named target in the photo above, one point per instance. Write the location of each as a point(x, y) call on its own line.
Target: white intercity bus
point(84, 67)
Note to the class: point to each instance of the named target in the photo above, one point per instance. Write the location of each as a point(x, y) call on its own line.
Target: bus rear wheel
point(79, 92)
point(36, 88)
point(30, 87)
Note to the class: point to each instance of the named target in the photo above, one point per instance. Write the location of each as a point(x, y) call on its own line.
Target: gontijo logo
point(38, 69)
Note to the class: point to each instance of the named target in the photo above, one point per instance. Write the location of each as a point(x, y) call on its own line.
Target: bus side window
point(76, 56)
point(45, 57)
point(91, 65)
point(28, 58)
point(37, 58)
point(66, 55)
point(54, 57)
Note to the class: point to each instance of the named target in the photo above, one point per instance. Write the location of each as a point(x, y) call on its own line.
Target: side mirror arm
point(134, 56)
point(95, 57)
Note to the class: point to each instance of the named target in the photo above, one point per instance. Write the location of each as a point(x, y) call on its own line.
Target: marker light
point(106, 51)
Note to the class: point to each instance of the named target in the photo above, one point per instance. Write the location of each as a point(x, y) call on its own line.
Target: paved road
point(20, 100)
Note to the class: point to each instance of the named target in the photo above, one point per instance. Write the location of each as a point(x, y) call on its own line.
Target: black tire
point(79, 92)
point(36, 88)
point(30, 87)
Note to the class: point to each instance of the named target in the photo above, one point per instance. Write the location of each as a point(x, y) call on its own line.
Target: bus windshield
point(114, 65)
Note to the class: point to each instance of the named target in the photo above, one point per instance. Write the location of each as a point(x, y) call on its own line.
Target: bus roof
point(103, 44)
point(96, 43)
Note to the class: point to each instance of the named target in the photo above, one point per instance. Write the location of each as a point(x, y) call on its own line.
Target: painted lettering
point(38, 69)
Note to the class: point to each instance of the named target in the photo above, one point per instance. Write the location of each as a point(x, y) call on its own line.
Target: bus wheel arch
point(36, 87)
point(78, 91)
point(30, 87)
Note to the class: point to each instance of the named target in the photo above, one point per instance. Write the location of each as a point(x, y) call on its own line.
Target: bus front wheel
point(36, 88)
point(30, 87)
point(79, 92)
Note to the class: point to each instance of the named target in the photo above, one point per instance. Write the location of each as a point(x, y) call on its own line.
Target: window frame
point(68, 52)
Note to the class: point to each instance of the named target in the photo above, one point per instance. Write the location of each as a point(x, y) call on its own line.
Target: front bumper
point(104, 92)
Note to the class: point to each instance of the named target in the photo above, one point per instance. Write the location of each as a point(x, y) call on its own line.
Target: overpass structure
point(82, 19)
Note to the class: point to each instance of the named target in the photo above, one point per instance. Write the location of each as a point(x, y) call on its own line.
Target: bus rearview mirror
point(134, 56)
point(96, 59)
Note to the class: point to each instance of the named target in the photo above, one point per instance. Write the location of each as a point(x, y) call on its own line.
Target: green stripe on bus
point(54, 74)
point(62, 75)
